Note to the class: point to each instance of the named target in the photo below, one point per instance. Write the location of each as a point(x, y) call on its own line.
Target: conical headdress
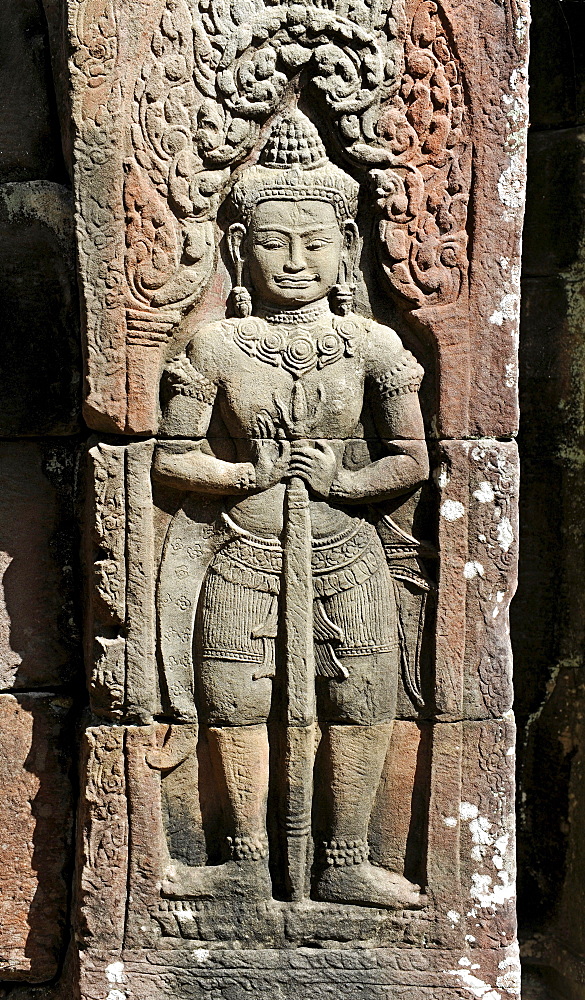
point(293, 165)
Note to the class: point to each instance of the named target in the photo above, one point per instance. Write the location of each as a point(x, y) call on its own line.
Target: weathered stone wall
point(42, 693)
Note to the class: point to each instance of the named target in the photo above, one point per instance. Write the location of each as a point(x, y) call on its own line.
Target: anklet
point(244, 848)
point(339, 853)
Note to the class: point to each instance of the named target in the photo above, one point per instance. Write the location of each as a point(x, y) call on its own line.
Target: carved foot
point(183, 708)
point(368, 885)
point(249, 879)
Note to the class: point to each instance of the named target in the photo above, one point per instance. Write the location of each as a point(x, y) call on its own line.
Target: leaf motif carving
point(424, 193)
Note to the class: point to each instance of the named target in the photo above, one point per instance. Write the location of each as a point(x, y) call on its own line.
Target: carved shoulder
point(206, 350)
point(394, 369)
point(189, 384)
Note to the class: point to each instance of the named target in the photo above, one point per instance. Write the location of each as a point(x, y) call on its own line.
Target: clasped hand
point(276, 458)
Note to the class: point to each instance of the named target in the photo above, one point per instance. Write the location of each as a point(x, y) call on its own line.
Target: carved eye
point(316, 244)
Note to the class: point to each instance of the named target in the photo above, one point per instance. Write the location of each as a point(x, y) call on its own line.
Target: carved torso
point(239, 369)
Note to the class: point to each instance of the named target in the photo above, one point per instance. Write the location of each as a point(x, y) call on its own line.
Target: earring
point(343, 294)
point(241, 298)
point(241, 301)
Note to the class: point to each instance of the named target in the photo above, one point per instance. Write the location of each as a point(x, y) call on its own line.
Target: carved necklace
point(295, 317)
point(302, 350)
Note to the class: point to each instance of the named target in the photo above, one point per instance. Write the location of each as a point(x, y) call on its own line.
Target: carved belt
point(339, 562)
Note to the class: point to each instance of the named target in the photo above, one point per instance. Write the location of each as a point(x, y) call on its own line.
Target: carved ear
point(235, 237)
point(350, 249)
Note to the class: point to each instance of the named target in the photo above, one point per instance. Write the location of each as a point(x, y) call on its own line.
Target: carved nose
point(295, 260)
point(294, 265)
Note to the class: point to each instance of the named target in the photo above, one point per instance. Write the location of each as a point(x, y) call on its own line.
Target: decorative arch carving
point(393, 98)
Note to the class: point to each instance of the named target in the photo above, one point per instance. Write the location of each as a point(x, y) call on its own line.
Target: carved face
point(294, 251)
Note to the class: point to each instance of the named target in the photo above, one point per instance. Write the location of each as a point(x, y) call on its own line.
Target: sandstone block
point(557, 98)
point(102, 842)
point(157, 275)
point(31, 147)
point(370, 974)
point(478, 538)
point(303, 644)
point(36, 821)
point(38, 311)
point(551, 238)
point(455, 810)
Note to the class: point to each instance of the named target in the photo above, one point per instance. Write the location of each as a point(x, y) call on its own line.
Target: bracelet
point(247, 480)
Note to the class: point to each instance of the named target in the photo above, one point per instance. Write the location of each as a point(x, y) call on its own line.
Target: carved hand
point(271, 453)
point(316, 464)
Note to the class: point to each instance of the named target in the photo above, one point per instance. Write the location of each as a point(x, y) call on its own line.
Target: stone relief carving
point(103, 830)
point(290, 603)
point(108, 594)
point(306, 746)
point(424, 194)
point(395, 103)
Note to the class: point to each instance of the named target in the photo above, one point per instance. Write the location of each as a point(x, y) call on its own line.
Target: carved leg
point(240, 756)
point(353, 758)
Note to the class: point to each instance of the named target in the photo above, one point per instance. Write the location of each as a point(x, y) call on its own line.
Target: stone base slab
point(340, 974)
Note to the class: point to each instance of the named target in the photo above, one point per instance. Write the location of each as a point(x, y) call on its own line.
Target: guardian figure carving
point(295, 618)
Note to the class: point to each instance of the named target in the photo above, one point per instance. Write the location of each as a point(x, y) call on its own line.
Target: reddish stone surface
point(36, 824)
point(478, 484)
point(467, 311)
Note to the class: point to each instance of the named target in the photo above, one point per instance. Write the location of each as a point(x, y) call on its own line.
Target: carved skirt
point(354, 605)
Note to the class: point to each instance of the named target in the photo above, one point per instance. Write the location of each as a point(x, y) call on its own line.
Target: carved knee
point(229, 694)
point(367, 696)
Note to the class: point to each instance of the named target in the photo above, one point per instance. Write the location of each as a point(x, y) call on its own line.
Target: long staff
point(300, 682)
point(300, 420)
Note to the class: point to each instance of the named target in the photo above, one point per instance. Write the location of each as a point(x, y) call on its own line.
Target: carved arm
point(201, 472)
point(388, 477)
point(401, 429)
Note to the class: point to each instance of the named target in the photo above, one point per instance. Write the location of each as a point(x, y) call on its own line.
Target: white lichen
point(475, 986)
point(442, 477)
point(115, 972)
point(510, 979)
point(489, 845)
point(484, 492)
point(505, 534)
point(511, 376)
point(509, 309)
point(511, 182)
point(468, 811)
point(473, 569)
point(452, 510)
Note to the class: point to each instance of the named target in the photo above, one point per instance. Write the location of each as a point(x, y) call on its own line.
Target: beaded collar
point(295, 317)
